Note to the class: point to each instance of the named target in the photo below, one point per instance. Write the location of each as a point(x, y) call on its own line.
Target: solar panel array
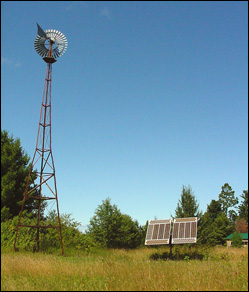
point(158, 232)
point(184, 230)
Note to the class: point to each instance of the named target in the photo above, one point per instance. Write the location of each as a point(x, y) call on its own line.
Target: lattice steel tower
point(50, 45)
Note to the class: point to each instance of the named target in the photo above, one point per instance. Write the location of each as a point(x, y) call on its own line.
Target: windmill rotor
point(50, 44)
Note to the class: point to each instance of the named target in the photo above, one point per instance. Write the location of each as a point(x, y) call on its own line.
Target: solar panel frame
point(158, 232)
point(184, 230)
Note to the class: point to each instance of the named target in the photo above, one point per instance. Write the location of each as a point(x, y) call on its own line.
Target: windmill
point(50, 45)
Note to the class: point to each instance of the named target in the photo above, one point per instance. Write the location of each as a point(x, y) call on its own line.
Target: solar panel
point(158, 232)
point(184, 230)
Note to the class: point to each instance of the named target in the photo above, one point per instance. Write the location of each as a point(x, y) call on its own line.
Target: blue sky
point(150, 96)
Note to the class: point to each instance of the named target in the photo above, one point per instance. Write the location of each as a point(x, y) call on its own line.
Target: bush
point(112, 229)
point(26, 236)
point(237, 240)
point(49, 237)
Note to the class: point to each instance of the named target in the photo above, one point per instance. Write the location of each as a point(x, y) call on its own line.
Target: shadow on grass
point(166, 256)
point(179, 253)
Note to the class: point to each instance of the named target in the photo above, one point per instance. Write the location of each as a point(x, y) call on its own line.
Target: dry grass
point(119, 270)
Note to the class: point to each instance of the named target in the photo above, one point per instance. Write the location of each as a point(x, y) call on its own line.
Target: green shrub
point(49, 237)
point(237, 240)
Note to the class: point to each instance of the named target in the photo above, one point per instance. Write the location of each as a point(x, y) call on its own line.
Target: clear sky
point(149, 96)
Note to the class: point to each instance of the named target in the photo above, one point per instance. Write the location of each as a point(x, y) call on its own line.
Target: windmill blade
point(56, 53)
point(39, 45)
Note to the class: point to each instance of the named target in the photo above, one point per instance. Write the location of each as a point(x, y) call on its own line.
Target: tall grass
point(121, 270)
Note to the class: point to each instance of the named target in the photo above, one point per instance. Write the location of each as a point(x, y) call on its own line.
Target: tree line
point(108, 227)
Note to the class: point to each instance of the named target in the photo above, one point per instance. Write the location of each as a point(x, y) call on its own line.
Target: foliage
point(14, 174)
point(241, 225)
point(237, 239)
point(71, 236)
point(26, 236)
point(214, 226)
point(5, 214)
point(228, 200)
point(187, 206)
point(49, 237)
point(112, 229)
point(222, 227)
point(243, 207)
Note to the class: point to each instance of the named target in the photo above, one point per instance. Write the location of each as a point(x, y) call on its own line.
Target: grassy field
point(226, 269)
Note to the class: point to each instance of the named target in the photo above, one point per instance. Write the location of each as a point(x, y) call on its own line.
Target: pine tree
point(228, 200)
point(243, 207)
point(14, 173)
point(214, 226)
point(187, 206)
